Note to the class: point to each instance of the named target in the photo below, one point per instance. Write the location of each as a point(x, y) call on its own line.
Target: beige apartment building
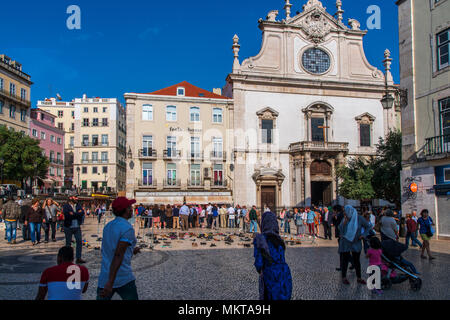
point(15, 86)
point(178, 146)
point(99, 145)
point(65, 120)
point(424, 37)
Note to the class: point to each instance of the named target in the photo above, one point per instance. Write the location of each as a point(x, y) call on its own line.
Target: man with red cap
point(118, 247)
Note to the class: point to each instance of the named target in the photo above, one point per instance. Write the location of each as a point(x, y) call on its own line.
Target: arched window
point(318, 122)
point(194, 114)
point(217, 115)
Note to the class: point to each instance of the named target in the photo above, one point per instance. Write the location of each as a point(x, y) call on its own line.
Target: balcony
point(94, 144)
point(219, 184)
point(15, 98)
point(147, 183)
point(148, 153)
point(321, 146)
point(437, 147)
point(195, 156)
point(218, 155)
point(195, 183)
point(172, 183)
point(56, 161)
point(171, 154)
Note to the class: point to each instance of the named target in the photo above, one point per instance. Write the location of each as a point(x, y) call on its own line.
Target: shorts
point(425, 237)
point(156, 220)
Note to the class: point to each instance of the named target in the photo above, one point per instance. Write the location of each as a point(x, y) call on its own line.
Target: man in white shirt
point(230, 212)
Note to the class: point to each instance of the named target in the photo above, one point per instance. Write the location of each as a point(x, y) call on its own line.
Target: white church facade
point(305, 104)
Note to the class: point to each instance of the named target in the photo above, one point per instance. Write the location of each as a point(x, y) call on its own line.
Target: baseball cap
point(121, 203)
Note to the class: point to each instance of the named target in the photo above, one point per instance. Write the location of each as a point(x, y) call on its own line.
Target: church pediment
point(268, 173)
point(267, 113)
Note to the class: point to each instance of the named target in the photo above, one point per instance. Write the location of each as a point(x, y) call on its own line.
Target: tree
point(387, 166)
point(356, 180)
point(23, 156)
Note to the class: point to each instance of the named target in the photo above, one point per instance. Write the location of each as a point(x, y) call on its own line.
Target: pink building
point(42, 127)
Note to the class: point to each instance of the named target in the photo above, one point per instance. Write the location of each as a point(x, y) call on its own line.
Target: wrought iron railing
point(437, 145)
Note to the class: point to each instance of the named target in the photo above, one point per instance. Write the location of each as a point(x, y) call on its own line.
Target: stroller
point(391, 256)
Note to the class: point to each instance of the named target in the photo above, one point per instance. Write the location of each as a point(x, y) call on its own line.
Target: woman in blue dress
point(275, 282)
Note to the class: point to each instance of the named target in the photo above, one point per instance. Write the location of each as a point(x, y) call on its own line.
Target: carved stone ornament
point(316, 26)
point(313, 3)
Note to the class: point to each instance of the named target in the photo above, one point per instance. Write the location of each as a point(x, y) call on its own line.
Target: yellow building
point(178, 148)
point(14, 95)
point(65, 120)
point(424, 37)
point(99, 144)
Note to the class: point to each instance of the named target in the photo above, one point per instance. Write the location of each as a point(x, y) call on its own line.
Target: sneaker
point(46, 241)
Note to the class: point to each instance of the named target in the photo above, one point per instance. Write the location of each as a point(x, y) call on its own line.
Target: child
point(374, 256)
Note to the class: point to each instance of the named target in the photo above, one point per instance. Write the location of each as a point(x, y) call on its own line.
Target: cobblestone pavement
point(220, 273)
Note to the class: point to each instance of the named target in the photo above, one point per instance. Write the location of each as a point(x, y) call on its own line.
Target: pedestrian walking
point(55, 280)
point(34, 219)
point(11, 214)
point(231, 214)
point(73, 219)
point(215, 216)
point(411, 228)
point(310, 217)
point(50, 208)
point(176, 217)
point(426, 232)
point(298, 222)
point(327, 222)
point(253, 216)
point(388, 226)
point(184, 215)
point(118, 247)
point(26, 206)
point(275, 280)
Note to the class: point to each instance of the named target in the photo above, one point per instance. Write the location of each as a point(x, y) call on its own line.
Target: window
point(85, 122)
point(195, 175)
point(147, 146)
point(444, 110)
point(52, 138)
point(52, 156)
point(217, 115)
point(105, 109)
point(180, 91)
point(85, 157)
point(1, 84)
point(23, 94)
point(171, 146)
point(104, 156)
point(1, 106)
point(60, 114)
point(86, 110)
point(105, 122)
point(58, 157)
point(147, 112)
point(72, 126)
point(85, 142)
point(95, 139)
point(23, 115)
point(147, 174)
point(317, 131)
point(61, 126)
point(195, 114)
point(171, 113)
point(171, 174)
point(267, 128)
point(104, 169)
point(95, 109)
point(217, 148)
point(443, 48)
point(218, 174)
point(95, 122)
point(59, 140)
point(94, 157)
point(34, 133)
point(42, 135)
point(73, 114)
point(58, 170)
point(51, 171)
point(94, 170)
point(104, 139)
point(12, 89)
point(84, 170)
point(12, 111)
point(364, 132)
point(195, 147)
point(72, 141)
point(447, 174)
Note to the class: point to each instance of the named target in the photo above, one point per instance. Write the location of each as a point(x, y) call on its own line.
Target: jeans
point(11, 230)
point(230, 223)
point(126, 292)
point(35, 230)
point(253, 226)
point(412, 236)
point(25, 232)
point(287, 227)
point(47, 226)
point(77, 233)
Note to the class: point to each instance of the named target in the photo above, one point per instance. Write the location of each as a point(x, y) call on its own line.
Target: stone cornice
point(148, 97)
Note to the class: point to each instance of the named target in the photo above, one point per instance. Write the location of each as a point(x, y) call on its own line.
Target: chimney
point(217, 91)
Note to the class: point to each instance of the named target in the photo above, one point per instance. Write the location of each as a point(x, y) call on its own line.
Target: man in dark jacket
point(73, 219)
point(24, 209)
point(11, 213)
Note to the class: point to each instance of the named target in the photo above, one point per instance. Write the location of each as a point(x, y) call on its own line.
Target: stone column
point(340, 161)
point(333, 183)
point(307, 176)
point(298, 165)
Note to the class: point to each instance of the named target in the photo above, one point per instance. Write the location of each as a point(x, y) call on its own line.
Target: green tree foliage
point(23, 156)
point(387, 166)
point(356, 180)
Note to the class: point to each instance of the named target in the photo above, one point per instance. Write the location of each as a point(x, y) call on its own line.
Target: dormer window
point(180, 92)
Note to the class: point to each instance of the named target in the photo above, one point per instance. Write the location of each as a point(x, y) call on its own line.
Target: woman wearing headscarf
point(275, 282)
point(351, 233)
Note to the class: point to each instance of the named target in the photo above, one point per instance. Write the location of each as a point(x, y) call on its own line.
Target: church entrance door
point(321, 193)
point(268, 198)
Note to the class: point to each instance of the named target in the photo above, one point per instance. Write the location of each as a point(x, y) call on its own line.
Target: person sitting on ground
point(57, 281)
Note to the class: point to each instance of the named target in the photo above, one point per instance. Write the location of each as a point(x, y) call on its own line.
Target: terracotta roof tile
point(189, 91)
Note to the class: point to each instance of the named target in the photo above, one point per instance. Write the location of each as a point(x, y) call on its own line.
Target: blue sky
point(145, 45)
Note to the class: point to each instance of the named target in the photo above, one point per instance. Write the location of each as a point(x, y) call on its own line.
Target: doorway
point(268, 197)
point(321, 193)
